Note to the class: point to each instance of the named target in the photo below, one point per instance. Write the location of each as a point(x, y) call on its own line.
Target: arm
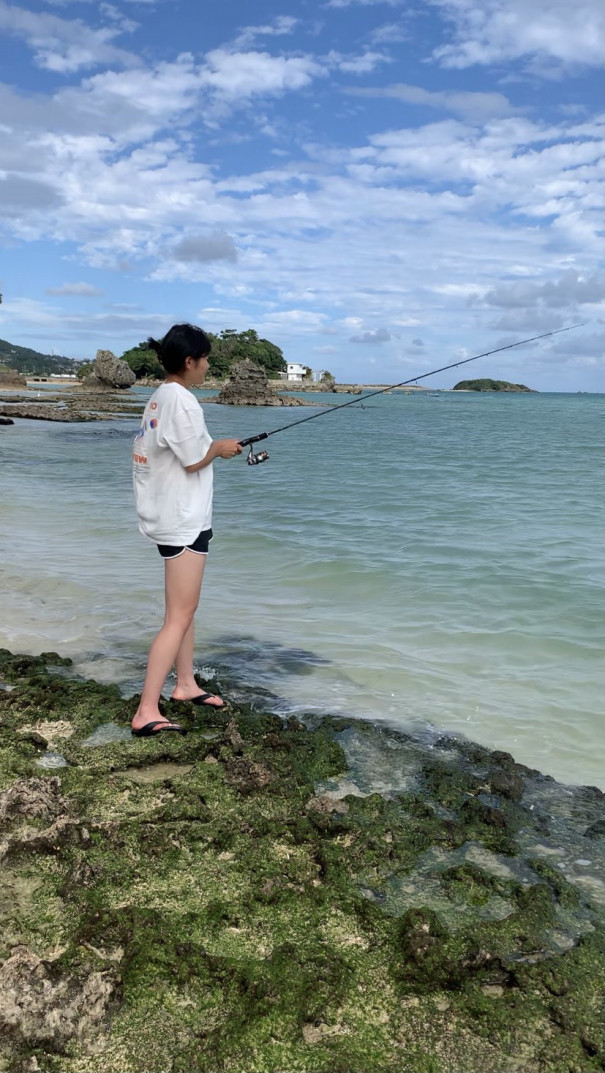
point(217, 449)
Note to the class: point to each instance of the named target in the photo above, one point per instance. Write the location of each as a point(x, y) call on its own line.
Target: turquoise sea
point(433, 561)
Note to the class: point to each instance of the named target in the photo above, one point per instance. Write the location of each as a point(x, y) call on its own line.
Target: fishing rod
point(262, 456)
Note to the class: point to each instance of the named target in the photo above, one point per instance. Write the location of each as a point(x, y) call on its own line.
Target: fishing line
point(262, 456)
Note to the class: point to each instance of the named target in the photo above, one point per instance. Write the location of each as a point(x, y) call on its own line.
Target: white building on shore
point(295, 371)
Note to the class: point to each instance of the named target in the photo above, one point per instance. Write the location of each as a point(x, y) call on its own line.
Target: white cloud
point(528, 321)
point(20, 195)
point(42, 321)
point(363, 3)
point(530, 306)
point(496, 31)
point(358, 65)
point(379, 335)
point(470, 291)
point(136, 103)
point(533, 170)
point(282, 25)
point(64, 45)
point(468, 105)
point(295, 320)
point(389, 33)
point(587, 345)
point(217, 246)
point(572, 289)
point(401, 224)
point(234, 76)
point(80, 290)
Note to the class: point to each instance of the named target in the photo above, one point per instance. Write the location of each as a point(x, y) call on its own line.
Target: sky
point(379, 187)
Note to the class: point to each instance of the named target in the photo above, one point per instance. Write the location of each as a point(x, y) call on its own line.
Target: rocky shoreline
point(244, 899)
point(97, 402)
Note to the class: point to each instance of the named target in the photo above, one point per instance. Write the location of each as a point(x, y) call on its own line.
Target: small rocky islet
point(487, 384)
point(242, 899)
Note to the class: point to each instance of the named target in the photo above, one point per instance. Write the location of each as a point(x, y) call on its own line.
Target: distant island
point(489, 385)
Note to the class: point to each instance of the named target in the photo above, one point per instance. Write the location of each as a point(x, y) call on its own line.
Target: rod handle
point(253, 439)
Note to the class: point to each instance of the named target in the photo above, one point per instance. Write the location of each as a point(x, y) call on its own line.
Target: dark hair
point(180, 342)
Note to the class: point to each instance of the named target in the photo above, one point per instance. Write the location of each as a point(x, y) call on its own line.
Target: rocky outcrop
point(248, 386)
point(38, 799)
point(44, 413)
point(11, 377)
point(75, 403)
point(113, 371)
point(41, 1005)
point(109, 372)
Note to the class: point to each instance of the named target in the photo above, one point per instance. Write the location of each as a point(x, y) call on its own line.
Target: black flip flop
point(147, 731)
point(202, 701)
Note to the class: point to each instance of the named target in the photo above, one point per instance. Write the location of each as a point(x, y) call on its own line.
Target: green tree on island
point(228, 347)
point(486, 384)
point(231, 346)
point(84, 369)
point(144, 362)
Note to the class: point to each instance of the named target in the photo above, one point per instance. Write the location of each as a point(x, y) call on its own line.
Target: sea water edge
point(425, 562)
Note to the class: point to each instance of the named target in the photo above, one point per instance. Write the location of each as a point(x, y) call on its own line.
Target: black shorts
point(199, 545)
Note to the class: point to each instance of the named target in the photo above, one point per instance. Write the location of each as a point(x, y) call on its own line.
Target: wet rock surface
point(252, 903)
point(38, 799)
point(248, 386)
point(40, 1004)
point(43, 412)
point(77, 403)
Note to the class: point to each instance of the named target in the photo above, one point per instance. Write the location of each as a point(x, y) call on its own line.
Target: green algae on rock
point(240, 900)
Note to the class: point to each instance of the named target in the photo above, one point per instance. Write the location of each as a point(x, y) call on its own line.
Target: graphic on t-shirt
point(138, 458)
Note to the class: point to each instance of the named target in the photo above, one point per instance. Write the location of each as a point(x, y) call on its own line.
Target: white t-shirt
point(173, 506)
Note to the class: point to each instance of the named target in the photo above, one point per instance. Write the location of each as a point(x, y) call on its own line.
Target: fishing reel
point(255, 460)
point(262, 456)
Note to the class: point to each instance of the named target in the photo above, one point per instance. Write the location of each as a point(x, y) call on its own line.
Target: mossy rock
point(235, 915)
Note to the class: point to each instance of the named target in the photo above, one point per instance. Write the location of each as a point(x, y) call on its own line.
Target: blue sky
point(378, 187)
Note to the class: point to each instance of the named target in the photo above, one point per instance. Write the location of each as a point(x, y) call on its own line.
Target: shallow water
point(51, 759)
point(427, 562)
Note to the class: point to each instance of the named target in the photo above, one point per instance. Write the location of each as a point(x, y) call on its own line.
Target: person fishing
point(172, 475)
point(172, 463)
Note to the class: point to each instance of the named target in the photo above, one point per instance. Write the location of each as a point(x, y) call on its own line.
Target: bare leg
point(186, 686)
point(183, 665)
point(183, 584)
